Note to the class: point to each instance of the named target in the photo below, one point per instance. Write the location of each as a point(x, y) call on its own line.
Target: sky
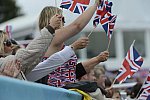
point(124, 10)
point(33, 7)
point(120, 8)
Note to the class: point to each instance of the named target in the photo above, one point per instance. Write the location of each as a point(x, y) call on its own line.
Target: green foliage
point(8, 10)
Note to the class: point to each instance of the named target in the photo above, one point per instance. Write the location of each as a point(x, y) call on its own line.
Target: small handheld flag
point(75, 6)
point(131, 64)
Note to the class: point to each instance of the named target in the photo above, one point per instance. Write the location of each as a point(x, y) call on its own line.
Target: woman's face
point(8, 47)
point(91, 76)
point(101, 79)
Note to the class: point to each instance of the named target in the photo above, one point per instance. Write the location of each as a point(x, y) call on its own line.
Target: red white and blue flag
point(108, 24)
point(131, 64)
point(75, 6)
point(100, 13)
point(105, 17)
point(8, 29)
point(145, 95)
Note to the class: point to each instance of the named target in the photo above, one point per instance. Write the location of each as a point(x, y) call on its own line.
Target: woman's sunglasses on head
point(7, 43)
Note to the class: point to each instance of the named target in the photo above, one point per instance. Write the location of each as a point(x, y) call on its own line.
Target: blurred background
point(133, 23)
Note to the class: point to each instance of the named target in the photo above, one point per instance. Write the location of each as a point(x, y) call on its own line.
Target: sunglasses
point(63, 19)
point(7, 43)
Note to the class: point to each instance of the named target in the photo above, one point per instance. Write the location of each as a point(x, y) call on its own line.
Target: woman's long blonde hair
point(2, 39)
point(46, 14)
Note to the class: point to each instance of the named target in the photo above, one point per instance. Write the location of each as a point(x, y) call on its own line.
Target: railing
point(14, 89)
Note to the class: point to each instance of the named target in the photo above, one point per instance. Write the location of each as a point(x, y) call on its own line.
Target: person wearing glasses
point(68, 72)
point(25, 60)
point(6, 45)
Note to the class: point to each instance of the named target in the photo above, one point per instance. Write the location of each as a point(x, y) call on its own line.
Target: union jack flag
point(64, 74)
point(108, 24)
point(75, 6)
point(131, 64)
point(103, 10)
point(105, 17)
point(145, 95)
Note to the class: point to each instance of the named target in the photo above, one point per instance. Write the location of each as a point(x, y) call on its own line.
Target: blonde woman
point(65, 32)
point(25, 60)
point(69, 71)
point(5, 44)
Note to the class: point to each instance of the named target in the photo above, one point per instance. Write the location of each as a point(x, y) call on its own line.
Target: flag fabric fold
point(108, 24)
point(75, 6)
point(105, 17)
point(131, 64)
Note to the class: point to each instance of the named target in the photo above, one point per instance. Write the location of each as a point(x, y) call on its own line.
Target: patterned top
point(64, 74)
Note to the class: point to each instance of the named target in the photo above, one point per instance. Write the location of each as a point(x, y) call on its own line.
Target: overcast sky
point(125, 11)
point(33, 7)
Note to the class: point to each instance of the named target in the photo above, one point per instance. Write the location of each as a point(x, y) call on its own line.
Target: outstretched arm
point(91, 63)
point(49, 65)
point(72, 29)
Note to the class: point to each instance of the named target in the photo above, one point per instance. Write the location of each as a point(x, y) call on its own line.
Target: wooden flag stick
point(111, 85)
point(133, 42)
point(108, 44)
point(91, 32)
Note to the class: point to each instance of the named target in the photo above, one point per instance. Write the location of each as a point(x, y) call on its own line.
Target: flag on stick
point(131, 64)
point(105, 17)
point(75, 6)
point(108, 24)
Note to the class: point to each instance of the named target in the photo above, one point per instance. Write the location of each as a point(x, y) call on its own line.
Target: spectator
point(108, 84)
point(116, 95)
point(68, 71)
point(89, 76)
point(54, 61)
point(25, 59)
point(100, 75)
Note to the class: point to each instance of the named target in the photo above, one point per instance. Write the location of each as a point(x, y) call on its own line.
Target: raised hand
point(55, 21)
point(80, 43)
point(103, 56)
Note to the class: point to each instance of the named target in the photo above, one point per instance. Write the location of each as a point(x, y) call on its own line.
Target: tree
point(8, 10)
